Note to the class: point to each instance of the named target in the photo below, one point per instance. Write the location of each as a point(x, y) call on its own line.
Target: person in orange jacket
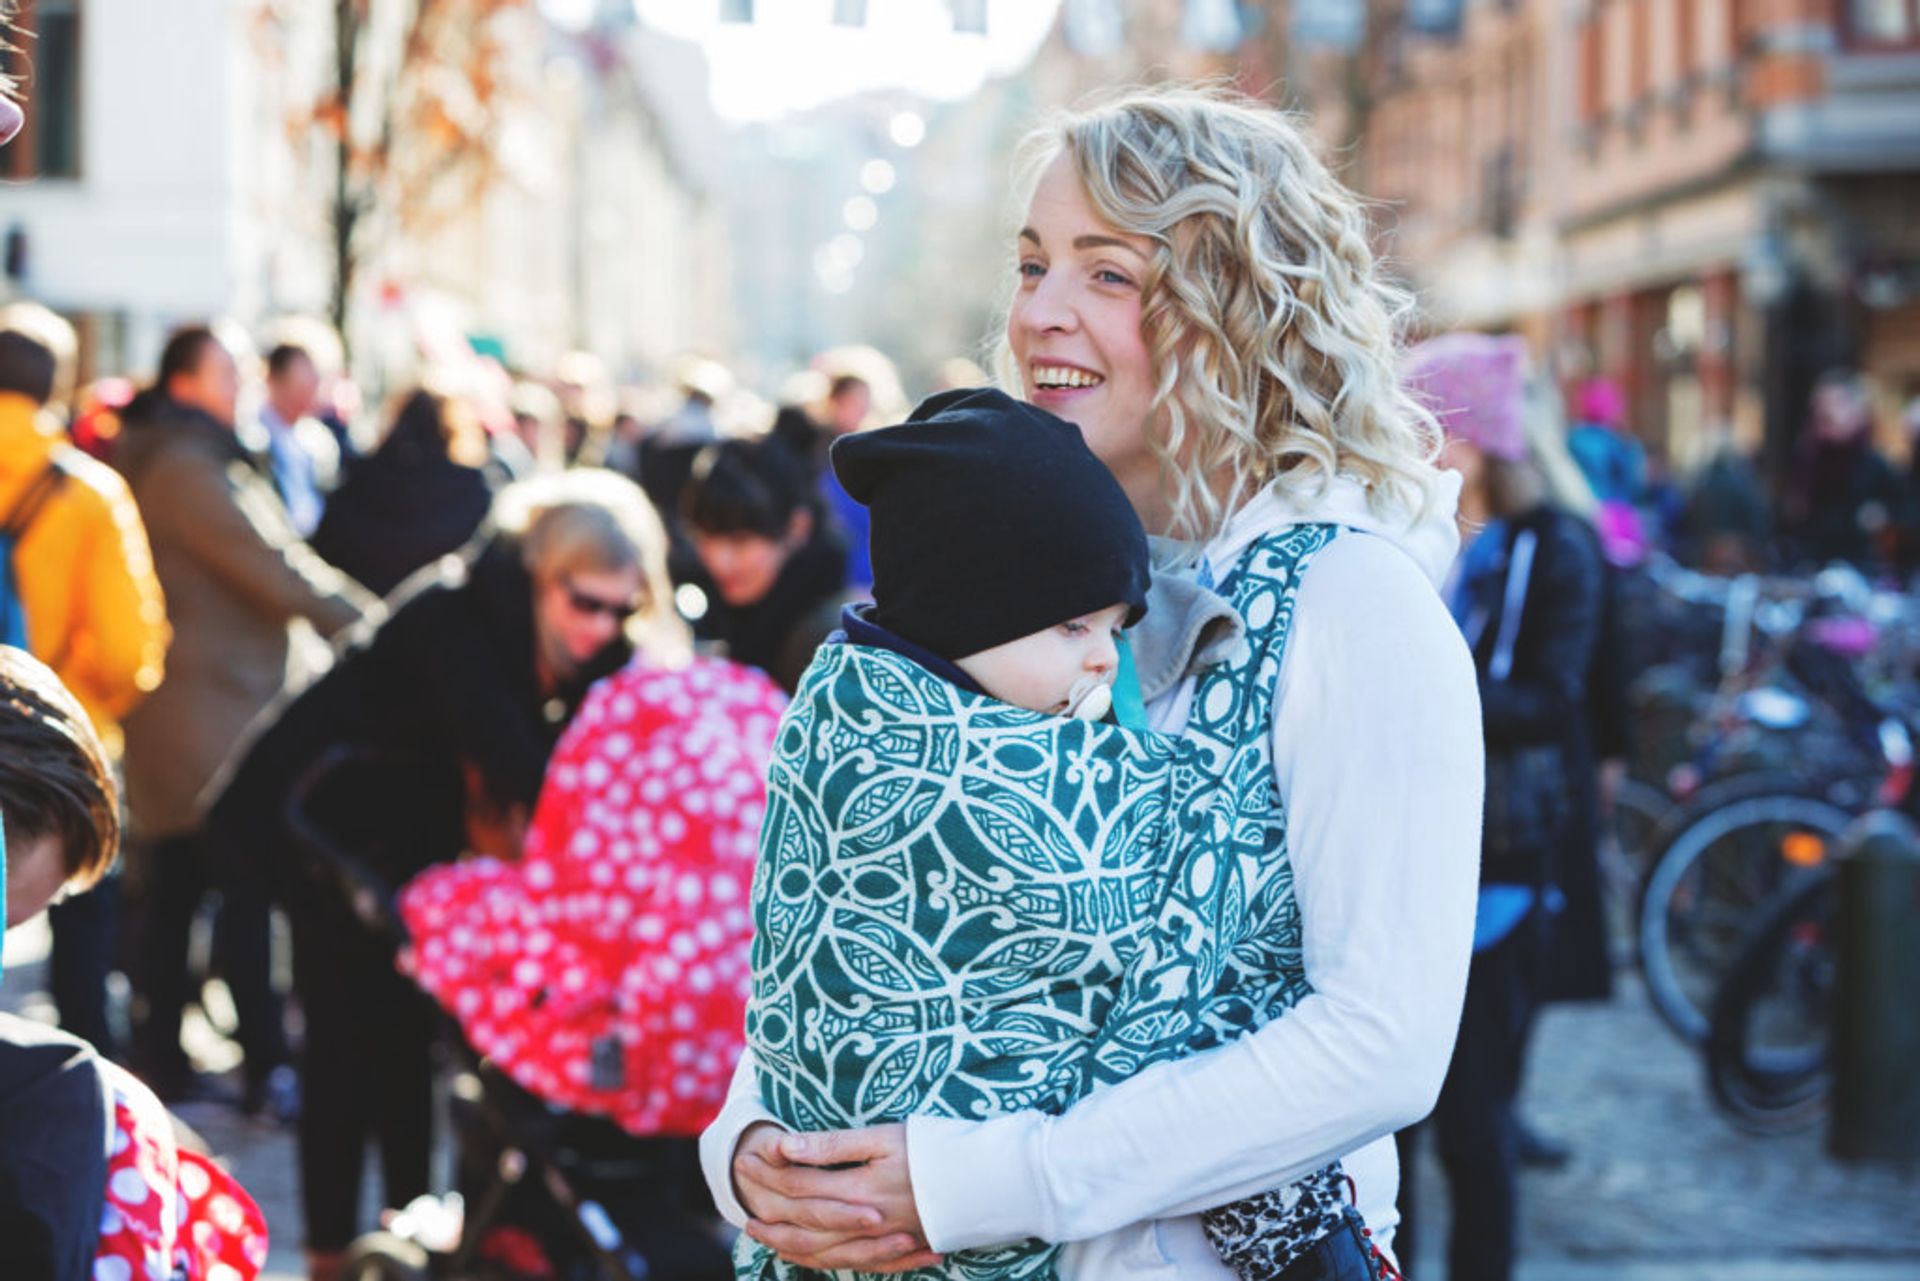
point(85, 592)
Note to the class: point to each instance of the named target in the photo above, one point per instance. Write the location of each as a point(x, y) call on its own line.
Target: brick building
point(1712, 200)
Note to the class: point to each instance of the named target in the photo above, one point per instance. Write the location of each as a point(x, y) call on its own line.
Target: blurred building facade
point(179, 175)
point(1710, 200)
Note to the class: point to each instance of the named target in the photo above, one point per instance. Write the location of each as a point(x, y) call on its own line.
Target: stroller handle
point(367, 895)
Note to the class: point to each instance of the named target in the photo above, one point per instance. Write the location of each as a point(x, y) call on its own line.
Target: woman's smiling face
point(1074, 327)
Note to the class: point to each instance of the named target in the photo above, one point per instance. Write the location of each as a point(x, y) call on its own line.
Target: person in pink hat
point(1528, 593)
point(1614, 463)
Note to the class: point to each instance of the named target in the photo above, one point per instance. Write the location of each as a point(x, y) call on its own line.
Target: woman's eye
point(1030, 270)
point(1108, 276)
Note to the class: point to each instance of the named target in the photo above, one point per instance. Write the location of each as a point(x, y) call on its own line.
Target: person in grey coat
point(237, 579)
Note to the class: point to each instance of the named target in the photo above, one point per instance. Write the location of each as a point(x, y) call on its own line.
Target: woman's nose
point(1049, 306)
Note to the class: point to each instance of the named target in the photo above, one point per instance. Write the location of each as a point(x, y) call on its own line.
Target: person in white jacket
point(1195, 291)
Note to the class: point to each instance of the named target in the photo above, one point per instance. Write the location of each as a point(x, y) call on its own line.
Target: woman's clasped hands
point(839, 1199)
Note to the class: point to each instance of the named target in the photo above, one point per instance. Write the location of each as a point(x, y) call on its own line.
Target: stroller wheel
point(382, 1256)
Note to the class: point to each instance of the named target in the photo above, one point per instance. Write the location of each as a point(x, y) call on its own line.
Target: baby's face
point(1038, 672)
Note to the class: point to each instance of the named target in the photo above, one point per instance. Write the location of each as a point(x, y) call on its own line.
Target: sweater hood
point(1429, 538)
point(1186, 628)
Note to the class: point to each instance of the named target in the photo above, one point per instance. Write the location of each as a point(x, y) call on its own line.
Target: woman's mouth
point(1055, 381)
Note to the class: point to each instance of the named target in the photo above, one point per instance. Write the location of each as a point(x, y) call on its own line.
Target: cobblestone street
point(1660, 1189)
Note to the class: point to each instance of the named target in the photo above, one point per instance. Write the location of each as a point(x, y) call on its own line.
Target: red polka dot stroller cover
point(607, 971)
point(170, 1213)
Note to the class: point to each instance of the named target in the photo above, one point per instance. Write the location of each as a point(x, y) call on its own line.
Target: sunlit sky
point(792, 56)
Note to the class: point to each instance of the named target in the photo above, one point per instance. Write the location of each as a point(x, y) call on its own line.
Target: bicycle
point(1767, 1050)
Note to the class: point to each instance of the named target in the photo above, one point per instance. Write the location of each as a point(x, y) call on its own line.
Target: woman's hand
point(858, 1215)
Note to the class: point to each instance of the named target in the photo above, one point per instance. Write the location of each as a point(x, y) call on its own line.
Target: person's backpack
point(13, 613)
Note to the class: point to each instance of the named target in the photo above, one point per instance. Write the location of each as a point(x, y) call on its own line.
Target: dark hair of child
point(54, 775)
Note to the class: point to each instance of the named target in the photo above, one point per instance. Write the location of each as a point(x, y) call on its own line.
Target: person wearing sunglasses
point(429, 738)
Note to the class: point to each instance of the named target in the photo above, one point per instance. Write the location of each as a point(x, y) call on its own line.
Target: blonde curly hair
point(1274, 335)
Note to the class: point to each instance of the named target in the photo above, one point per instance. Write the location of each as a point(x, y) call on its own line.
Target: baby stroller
point(543, 1193)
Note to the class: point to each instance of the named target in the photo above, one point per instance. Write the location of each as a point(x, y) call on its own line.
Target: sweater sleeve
point(742, 1110)
point(1379, 762)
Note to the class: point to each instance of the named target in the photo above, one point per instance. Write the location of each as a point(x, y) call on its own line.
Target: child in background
point(130, 1202)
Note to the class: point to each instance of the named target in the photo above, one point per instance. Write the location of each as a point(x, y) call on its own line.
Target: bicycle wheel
point(1703, 891)
point(1767, 1051)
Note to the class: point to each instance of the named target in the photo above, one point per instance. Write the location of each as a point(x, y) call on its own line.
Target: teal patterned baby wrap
point(964, 908)
point(948, 892)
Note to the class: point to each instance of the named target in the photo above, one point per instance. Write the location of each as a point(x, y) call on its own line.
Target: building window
point(1883, 22)
point(47, 66)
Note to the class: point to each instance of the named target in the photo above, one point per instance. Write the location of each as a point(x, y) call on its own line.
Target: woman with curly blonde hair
point(1195, 291)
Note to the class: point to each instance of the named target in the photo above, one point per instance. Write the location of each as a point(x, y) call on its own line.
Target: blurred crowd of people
point(293, 626)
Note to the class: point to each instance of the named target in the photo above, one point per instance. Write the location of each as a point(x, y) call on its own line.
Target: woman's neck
point(1148, 495)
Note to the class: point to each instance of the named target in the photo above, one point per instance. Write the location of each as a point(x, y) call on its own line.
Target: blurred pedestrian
point(95, 422)
point(539, 439)
point(1908, 556)
point(417, 497)
point(849, 405)
point(795, 428)
point(429, 737)
point(237, 578)
point(1847, 497)
point(587, 400)
point(776, 575)
point(1615, 464)
point(77, 578)
point(304, 455)
point(623, 442)
point(1726, 518)
point(1527, 592)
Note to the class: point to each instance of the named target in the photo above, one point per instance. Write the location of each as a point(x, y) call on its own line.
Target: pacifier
point(1090, 698)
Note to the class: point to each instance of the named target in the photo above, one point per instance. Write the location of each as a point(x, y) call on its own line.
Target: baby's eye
point(1075, 628)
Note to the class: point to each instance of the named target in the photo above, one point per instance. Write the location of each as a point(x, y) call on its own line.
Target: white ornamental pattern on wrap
point(948, 891)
